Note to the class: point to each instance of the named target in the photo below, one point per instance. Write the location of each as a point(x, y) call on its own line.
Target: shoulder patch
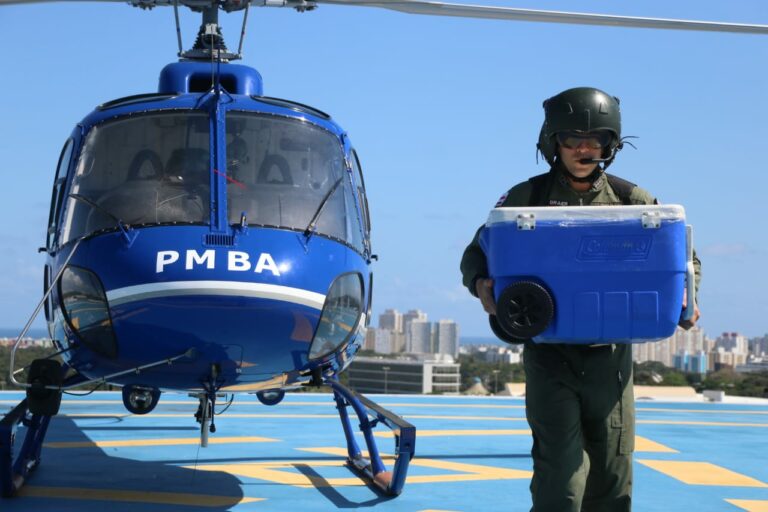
point(501, 200)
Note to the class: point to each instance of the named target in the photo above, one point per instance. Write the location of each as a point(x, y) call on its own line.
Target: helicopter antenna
point(178, 25)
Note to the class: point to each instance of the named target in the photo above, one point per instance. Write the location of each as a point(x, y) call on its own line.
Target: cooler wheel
point(501, 333)
point(524, 310)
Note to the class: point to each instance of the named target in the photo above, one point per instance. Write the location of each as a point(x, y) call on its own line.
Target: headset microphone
point(593, 160)
point(585, 161)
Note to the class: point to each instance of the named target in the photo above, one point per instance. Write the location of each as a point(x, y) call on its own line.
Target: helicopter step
point(370, 415)
point(43, 375)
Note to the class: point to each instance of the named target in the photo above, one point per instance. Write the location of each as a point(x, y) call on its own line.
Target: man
point(579, 398)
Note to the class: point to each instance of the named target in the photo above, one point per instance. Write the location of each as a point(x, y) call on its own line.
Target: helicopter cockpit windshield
point(155, 169)
point(145, 169)
point(281, 169)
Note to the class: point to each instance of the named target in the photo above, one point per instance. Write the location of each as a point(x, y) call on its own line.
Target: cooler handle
point(690, 275)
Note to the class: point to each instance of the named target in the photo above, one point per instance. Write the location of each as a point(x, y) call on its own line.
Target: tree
point(473, 367)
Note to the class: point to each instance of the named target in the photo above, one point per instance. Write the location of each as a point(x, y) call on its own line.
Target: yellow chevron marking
point(643, 444)
point(750, 505)
point(702, 473)
point(278, 471)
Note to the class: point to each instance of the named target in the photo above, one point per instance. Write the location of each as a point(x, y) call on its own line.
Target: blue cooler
point(589, 274)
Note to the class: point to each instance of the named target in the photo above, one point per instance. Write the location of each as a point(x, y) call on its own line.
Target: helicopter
point(209, 239)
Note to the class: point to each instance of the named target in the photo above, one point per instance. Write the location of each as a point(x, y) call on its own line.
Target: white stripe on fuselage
point(223, 288)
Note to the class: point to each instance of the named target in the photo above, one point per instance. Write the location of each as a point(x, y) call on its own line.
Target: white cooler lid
point(568, 215)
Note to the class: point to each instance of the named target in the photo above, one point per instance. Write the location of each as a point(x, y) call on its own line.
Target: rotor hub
point(209, 45)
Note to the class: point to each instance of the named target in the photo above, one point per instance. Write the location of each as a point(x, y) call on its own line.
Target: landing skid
point(370, 415)
point(14, 471)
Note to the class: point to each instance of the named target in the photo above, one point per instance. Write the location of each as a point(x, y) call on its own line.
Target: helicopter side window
point(362, 197)
point(144, 170)
point(280, 171)
point(57, 193)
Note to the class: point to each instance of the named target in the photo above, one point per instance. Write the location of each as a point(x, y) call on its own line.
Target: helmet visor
point(594, 140)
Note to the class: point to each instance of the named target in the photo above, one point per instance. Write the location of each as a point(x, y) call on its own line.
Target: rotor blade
point(194, 4)
point(510, 13)
point(465, 11)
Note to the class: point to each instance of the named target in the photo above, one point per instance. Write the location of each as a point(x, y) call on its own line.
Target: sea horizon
point(34, 332)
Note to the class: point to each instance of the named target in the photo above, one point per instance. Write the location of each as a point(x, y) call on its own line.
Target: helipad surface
point(472, 454)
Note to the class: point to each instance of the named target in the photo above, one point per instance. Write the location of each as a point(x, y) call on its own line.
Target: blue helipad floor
point(472, 454)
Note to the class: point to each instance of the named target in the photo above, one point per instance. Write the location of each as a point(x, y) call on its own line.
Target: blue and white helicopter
point(208, 239)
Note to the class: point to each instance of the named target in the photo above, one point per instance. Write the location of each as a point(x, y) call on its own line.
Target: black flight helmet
point(582, 110)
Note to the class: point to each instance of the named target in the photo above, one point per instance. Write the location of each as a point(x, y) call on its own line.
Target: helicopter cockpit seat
point(145, 165)
point(237, 156)
point(260, 198)
point(276, 196)
point(188, 167)
point(183, 193)
point(269, 165)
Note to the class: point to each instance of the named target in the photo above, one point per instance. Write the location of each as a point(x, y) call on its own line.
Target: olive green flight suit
point(579, 398)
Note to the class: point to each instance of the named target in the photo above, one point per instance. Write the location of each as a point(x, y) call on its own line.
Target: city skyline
point(412, 333)
point(687, 350)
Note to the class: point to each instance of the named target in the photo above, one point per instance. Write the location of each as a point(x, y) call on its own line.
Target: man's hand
point(484, 290)
point(687, 324)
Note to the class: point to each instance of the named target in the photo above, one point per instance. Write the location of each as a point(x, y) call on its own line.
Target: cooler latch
point(526, 222)
point(651, 220)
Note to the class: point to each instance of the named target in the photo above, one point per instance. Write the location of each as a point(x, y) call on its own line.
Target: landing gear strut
point(205, 411)
point(15, 470)
point(34, 413)
point(204, 416)
point(370, 415)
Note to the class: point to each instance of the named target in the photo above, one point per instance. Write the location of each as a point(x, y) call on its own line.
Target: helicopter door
point(57, 193)
point(362, 197)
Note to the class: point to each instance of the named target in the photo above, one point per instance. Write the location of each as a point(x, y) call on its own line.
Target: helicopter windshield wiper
point(94, 204)
point(124, 228)
point(310, 229)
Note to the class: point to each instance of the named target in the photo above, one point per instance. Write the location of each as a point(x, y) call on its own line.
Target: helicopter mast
point(209, 44)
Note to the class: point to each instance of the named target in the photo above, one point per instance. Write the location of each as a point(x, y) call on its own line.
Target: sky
point(444, 113)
